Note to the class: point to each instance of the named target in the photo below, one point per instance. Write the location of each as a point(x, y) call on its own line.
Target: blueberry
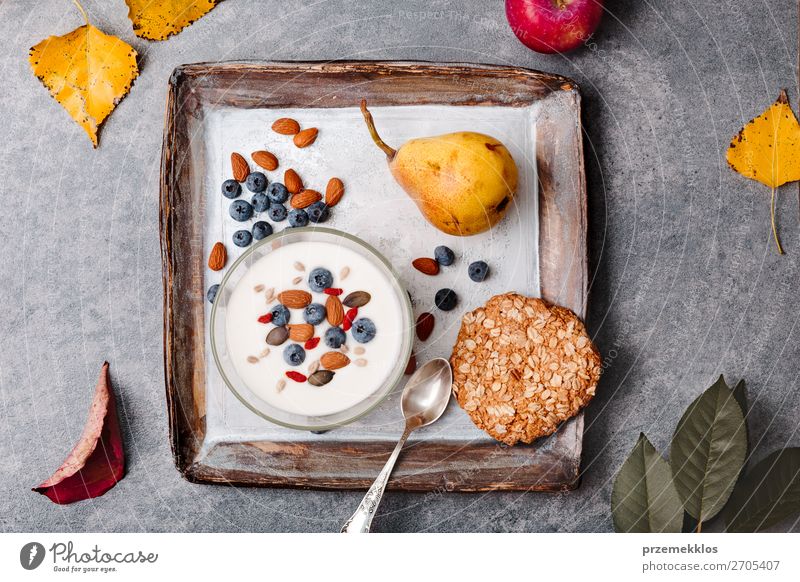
point(318, 212)
point(294, 354)
point(320, 279)
point(256, 182)
point(363, 330)
point(335, 337)
point(241, 210)
point(211, 294)
point(242, 238)
point(277, 193)
point(231, 188)
point(280, 315)
point(444, 255)
point(298, 217)
point(478, 271)
point(446, 299)
point(277, 212)
point(260, 202)
point(261, 230)
point(314, 313)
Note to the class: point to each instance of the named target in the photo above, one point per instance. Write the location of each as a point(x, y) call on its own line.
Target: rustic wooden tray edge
point(562, 219)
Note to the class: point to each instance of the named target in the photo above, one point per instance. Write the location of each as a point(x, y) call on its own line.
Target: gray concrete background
point(686, 283)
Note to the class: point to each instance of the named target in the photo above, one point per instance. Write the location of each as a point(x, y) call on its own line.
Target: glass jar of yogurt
point(311, 328)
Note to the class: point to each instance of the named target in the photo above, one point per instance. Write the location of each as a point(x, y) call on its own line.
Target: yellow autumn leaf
point(87, 71)
point(158, 19)
point(767, 150)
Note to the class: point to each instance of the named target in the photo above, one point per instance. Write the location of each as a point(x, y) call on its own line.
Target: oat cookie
point(522, 366)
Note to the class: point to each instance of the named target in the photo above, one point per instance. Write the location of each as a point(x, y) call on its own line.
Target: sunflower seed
point(258, 288)
point(361, 362)
point(345, 272)
point(252, 359)
point(280, 385)
point(299, 266)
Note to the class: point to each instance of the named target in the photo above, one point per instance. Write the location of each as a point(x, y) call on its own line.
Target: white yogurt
point(350, 385)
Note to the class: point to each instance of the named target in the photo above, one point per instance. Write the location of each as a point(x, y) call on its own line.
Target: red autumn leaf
point(97, 462)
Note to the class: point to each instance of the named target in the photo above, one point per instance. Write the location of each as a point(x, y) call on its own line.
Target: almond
point(265, 159)
point(292, 181)
point(425, 324)
point(334, 192)
point(285, 126)
point(335, 310)
point(240, 167)
point(294, 298)
point(334, 360)
point(305, 198)
point(217, 257)
point(306, 137)
point(411, 366)
point(426, 265)
point(300, 332)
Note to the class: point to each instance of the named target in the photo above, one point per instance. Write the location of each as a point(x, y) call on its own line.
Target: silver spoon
point(424, 399)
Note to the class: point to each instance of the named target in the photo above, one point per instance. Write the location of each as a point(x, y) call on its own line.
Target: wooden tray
point(347, 459)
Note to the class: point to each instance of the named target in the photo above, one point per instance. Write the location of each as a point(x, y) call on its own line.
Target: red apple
point(553, 26)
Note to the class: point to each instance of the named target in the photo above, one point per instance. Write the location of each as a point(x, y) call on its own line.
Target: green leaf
point(769, 493)
point(708, 451)
point(644, 499)
point(740, 394)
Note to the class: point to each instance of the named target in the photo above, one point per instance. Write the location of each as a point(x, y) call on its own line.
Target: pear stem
point(772, 217)
point(390, 152)
point(79, 7)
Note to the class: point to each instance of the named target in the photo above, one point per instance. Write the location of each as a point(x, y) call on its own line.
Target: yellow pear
point(462, 182)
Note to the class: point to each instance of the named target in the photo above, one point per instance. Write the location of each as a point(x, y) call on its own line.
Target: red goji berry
point(333, 291)
point(312, 343)
point(296, 376)
point(349, 317)
point(266, 318)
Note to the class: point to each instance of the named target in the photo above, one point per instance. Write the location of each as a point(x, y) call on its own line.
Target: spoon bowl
point(427, 393)
point(424, 400)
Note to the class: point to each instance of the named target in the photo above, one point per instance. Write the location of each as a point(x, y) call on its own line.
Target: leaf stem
point(78, 5)
point(699, 527)
point(772, 217)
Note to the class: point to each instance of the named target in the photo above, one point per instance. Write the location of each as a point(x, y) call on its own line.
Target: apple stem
point(390, 152)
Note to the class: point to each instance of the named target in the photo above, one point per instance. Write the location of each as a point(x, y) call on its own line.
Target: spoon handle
point(361, 520)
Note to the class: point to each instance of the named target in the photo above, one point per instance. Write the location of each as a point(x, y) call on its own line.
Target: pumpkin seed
point(357, 299)
point(320, 377)
point(277, 336)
